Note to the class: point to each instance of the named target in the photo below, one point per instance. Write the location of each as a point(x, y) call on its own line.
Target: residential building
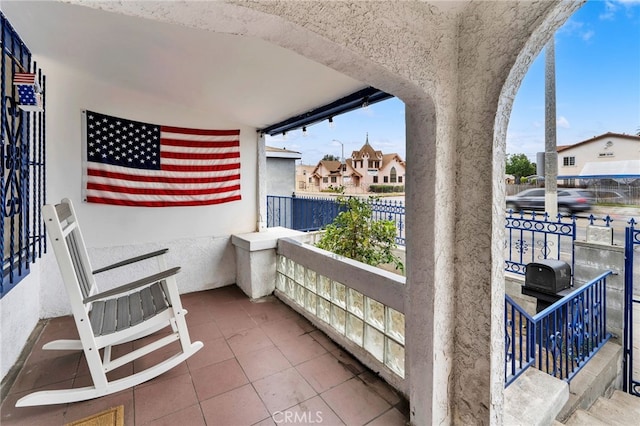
point(251, 65)
point(304, 178)
point(281, 170)
point(366, 166)
point(610, 156)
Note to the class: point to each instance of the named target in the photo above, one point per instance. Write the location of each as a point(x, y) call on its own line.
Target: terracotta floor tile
point(190, 416)
point(137, 344)
point(213, 352)
point(266, 422)
point(204, 332)
point(116, 351)
point(44, 415)
point(54, 329)
point(283, 390)
point(218, 378)
point(349, 362)
point(236, 323)
point(197, 314)
point(269, 309)
point(241, 406)
point(160, 355)
point(312, 411)
point(283, 329)
point(324, 372)
point(248, 341)
point(325, 341)
point(381, 387)
point(300, 348)
point(392, 417)
point(222, 311)
point(251, 340)
point(162, 398)
point(263, 362)
point(59, 328)
point(226, 294)
point(83, 380)
point(354, 402)
point(47, 371)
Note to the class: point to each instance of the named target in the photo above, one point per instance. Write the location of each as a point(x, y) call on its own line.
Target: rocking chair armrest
point(132, 260)
point(133, 285)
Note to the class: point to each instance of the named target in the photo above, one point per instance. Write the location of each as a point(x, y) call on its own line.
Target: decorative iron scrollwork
point(13, 159)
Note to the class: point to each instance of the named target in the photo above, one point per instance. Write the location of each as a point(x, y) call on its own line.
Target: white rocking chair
point(113, 317)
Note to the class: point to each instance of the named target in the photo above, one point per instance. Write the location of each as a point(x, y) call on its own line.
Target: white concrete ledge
point(268, 239)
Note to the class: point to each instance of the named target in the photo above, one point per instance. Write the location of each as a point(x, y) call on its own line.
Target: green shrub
point(354, 234)
point(334, 189)
point(385, 189)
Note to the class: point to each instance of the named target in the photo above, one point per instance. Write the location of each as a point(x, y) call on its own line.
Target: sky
point(597, 91)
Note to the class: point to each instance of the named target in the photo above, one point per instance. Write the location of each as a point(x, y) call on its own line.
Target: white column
point(262, 184)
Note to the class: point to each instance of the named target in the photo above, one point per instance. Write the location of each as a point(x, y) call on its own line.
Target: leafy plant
point(335, 189)
point(356, 235)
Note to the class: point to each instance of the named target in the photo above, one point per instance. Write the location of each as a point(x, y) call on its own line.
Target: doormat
point(111, 417)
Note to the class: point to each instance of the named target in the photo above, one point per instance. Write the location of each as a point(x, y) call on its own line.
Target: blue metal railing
point(518, 334)
point(560, 339)
point(314, 213)
point(630, 381)
point(531, 237)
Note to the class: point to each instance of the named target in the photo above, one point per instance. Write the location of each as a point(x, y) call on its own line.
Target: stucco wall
point(281, 174)
point(19, 314)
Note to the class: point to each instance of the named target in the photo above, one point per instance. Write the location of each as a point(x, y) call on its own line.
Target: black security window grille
point(22, 183)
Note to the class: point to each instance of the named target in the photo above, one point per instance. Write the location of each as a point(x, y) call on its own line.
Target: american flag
point(131, 163)
point(28, 89)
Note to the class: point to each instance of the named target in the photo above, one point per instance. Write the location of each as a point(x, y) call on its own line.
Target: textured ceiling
point(246, 79)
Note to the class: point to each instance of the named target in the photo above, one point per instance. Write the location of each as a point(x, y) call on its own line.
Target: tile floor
point(262, 364)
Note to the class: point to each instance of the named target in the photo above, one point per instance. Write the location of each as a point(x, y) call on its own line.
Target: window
point(386, 179)
point(334, 179)
point(393, 175)
point(399, 179)
point(310, 180)
point(568, 161)
point(23, 168)
point(325, 180)
point(375, 179)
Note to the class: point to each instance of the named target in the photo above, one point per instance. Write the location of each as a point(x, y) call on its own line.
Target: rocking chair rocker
point(112, 317)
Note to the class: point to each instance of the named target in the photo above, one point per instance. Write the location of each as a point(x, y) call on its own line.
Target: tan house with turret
point(366, 166)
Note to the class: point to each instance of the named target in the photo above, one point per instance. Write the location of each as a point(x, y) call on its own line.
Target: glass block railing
point(347, 298)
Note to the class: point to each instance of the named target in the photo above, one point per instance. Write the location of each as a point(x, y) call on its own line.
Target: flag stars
point(121, 142)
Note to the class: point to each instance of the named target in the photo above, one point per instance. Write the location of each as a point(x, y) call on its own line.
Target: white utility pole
point(550, 144)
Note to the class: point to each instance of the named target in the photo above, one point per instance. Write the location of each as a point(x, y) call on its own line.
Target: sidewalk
point(617, 213)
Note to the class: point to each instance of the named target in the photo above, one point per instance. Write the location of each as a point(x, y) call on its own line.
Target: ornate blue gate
point(631, 379)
